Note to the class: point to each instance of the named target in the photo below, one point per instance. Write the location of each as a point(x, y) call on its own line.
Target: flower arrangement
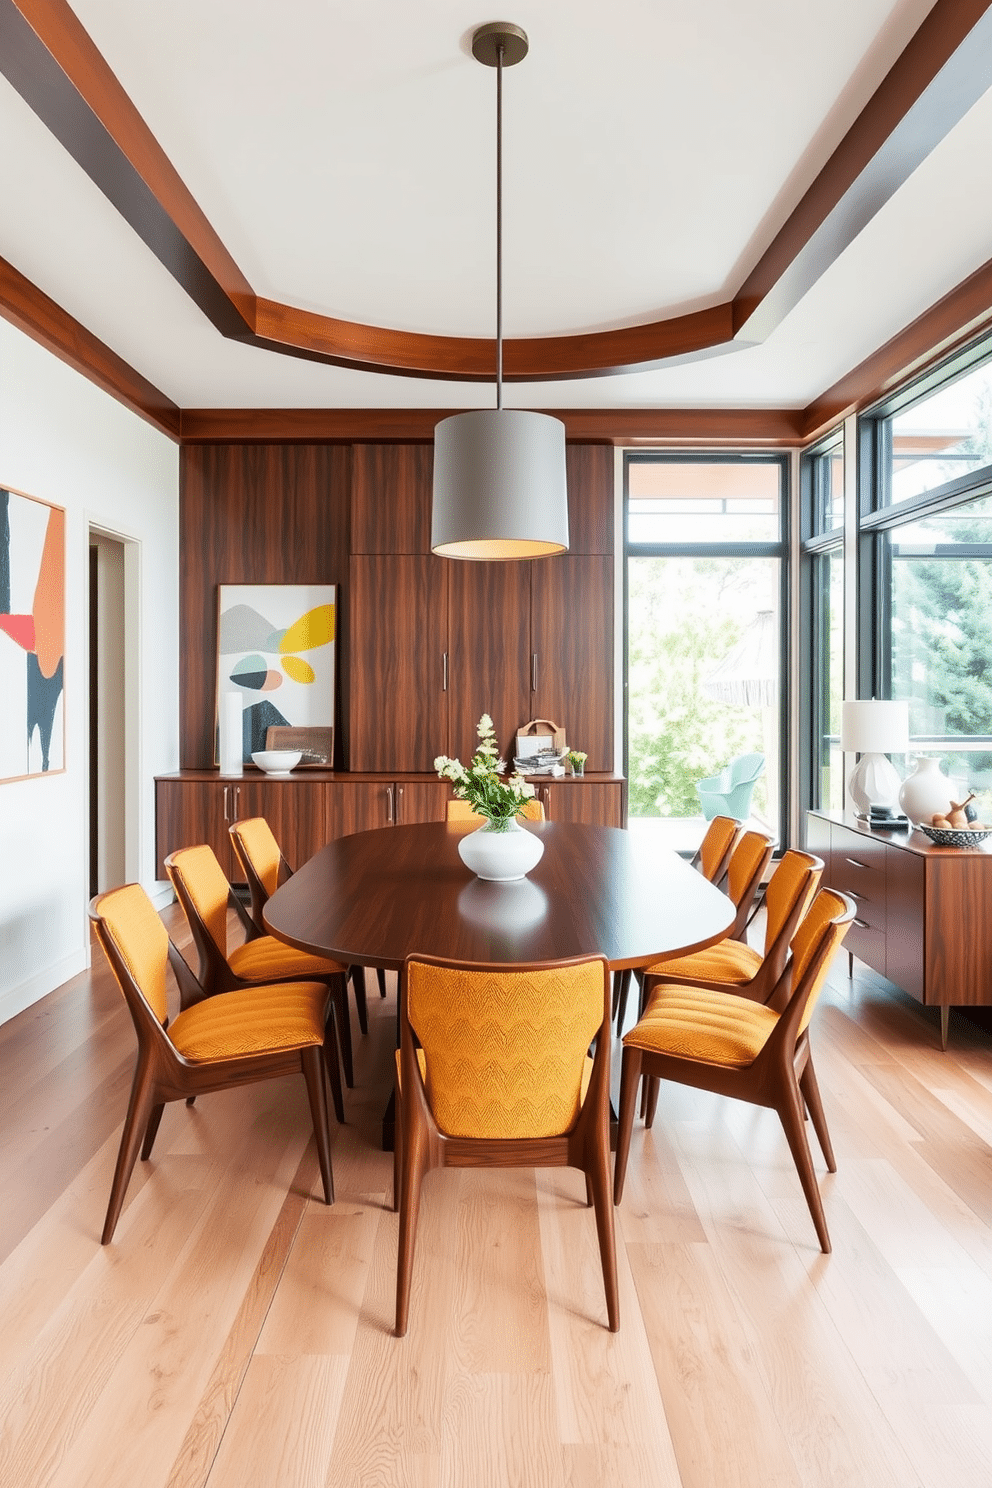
point(482, 783)
point(577, 757)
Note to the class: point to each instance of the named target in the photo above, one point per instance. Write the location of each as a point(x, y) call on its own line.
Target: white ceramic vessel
point(277, 761)
point(926, 792)
point(503, 856)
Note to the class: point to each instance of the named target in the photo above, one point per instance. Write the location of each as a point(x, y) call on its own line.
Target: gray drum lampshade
point(499, 485)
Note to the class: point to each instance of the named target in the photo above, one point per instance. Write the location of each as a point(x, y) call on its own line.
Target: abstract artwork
point(275, 647)
point(32, 636)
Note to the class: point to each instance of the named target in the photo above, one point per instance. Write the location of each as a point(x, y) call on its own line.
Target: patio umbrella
point(748, 676)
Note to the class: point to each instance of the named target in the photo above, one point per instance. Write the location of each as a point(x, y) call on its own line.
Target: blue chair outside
point(730, 792)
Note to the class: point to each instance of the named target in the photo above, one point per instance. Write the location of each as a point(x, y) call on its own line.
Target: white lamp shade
point(499, 485)
point(875, 727)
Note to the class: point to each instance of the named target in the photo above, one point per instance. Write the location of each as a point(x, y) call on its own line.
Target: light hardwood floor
point(238, 1332)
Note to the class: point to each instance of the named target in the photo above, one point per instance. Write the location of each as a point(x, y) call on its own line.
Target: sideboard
point(312, 807)
point(922, 911)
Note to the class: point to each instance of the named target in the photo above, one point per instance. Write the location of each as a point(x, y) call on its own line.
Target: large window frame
point(779, 549)
point(821, 542)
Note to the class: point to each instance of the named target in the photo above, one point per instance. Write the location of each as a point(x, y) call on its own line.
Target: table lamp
point(874, 729)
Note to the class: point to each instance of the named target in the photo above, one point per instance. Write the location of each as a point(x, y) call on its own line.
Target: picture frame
point(32, 636)
point(276, 649)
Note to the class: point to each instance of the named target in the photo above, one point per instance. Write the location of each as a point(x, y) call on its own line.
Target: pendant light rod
point(499, 226)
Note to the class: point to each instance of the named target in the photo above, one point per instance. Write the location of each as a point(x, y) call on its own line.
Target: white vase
point(501, 856)
point(926, 792)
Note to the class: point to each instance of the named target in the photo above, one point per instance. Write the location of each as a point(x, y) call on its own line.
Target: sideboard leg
point(945, 1018)
point(850, 963)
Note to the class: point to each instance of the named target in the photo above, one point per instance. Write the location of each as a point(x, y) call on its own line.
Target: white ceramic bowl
point(277, 761)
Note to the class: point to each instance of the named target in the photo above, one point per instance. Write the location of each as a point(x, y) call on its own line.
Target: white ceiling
point(344, 154)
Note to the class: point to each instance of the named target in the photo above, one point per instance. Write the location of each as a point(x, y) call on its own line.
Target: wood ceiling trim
point(49, 58)
point(39, 317)
point(944, 69)
point(618, 426)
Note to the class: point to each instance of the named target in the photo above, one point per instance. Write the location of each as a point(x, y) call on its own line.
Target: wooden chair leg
point(598, 1179)
point(339, 991)
point(620, 994)
point(357, 975)
point(411, 1178)
point(381, 977)
point(630, 1074)
point(811, 1095)
point(311, 1059)
point(790, 1111)
point(397, 1148)
point(332, 1065)
point(590, 1196)
point(139, 1112)
point(151, 1131)
point(653, 1085)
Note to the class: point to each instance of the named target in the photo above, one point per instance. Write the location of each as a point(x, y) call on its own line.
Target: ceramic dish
point(955, 836)
point(277, 761)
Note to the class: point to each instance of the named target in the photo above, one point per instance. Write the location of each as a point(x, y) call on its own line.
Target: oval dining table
point(372, 898)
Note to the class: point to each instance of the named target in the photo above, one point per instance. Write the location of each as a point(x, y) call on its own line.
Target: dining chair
point(735, 966)
point(215, 1044)
point(750, 857)
point(205, 896)
point(533, 810)
point(730, 1045)
point(713, 853)
point(493, 1070)
point(265, 868)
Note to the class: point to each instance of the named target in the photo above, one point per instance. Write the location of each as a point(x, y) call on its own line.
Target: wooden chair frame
point(214, 976)
point(162, 1075)
point(259, 897)
point(782, 1077)
point(719, 872)
point(421, 1147)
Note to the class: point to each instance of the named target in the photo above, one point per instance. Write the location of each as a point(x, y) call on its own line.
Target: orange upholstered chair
point(533, 810)
point(213, 1045)
point(733, 1046)
point(205, 896)
point(734, 966)
point(493, 1070)
point(265, 868)
point(713, 853)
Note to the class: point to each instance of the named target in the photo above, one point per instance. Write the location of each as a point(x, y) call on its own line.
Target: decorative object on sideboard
point(276, 762)
point(874, 728)
point(538, 735)
point(230, 731)
point(275, 646)
point(499, 850)
point(500, 489)
point(957, 836)
point(32, 636)
point(577, 761)
point(927, 792)
point(316, 745)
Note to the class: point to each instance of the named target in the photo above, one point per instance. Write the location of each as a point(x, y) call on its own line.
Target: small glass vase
point(501, 854)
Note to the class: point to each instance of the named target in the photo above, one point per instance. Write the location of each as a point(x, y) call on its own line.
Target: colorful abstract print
point(32, 636)
point(276, 647)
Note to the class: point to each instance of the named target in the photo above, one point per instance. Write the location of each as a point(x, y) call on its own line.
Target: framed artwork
point(275, 649)
point(32, 636)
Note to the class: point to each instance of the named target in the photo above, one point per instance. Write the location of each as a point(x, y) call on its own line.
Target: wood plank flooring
point(238, 1331)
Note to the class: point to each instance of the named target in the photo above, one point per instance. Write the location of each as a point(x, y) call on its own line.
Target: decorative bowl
point(277, 761)
point(956, 836)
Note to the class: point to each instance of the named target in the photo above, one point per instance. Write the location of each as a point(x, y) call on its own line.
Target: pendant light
point(499, 474)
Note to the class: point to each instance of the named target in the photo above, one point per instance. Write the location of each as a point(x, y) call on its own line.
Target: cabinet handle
point(389, 804)
point(853, 894)
point(533, 671)
point(399, 802)
point(858, 864)
point(226, 789)
point(444, 685)
point(237, 803)
point(862, 923)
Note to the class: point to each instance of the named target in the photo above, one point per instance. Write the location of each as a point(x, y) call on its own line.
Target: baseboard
point(38, 986)
point(161, 894)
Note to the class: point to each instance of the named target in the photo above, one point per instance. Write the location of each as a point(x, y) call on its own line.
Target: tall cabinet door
point(572, 651)
point(399, 637)
point(489, 653)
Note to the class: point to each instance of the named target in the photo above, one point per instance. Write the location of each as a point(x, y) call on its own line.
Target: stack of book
point(545, 762)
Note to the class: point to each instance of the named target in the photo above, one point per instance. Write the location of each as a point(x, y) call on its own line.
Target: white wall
point(64, 440)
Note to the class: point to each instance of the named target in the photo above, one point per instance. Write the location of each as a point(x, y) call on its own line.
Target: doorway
point(112, 747)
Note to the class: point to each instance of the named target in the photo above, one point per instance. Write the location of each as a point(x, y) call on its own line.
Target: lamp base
point(874, 781)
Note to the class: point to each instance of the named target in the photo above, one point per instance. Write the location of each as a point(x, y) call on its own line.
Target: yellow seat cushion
point(707, 1027)
point(422, 1061)
point(269, 960)
point(729, 962)
point(262, 1020)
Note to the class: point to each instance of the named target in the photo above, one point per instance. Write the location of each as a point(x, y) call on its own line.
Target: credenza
point(923, 911)
point(312, 807)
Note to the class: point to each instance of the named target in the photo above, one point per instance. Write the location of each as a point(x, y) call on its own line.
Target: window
point(704, 574)
point(822, 518)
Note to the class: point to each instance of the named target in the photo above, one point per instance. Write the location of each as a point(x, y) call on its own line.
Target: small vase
point(501, 856)
point(926, 792)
